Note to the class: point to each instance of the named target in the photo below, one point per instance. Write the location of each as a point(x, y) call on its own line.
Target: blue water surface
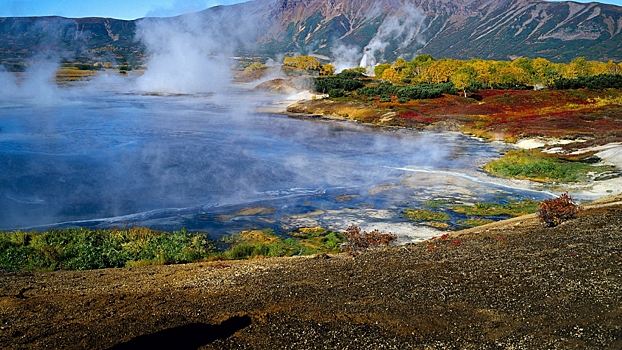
point(100, 159)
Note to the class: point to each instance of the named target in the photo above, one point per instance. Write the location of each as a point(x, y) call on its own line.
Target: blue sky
point(121, 9)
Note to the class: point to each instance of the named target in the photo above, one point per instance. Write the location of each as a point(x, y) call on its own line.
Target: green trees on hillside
point(336, 85)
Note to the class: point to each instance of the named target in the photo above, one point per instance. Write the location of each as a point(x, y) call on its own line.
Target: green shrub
point(241, 251)
point(354, 73)
point(475, 222)
point(336, 93)
point(383, 90)
point(595, 82)
point(406, 93)
point(82, 249)
point(433, 204)
point(497, 209)
point(326, 84)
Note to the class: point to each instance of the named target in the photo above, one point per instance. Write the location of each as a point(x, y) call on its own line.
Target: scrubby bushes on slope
point(597, 82)
point(324, 85)
point(412, 92)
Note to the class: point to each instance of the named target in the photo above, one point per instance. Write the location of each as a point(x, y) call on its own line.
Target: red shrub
point(416, 117)
point(555, 211)
point(357, 240)
point(455, 243)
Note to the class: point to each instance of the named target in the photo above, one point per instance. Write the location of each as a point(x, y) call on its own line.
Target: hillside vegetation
point(579, 101)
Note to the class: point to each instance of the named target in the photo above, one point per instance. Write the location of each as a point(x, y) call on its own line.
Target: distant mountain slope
point(85, 38)
point(384, 30)
point(496, 29)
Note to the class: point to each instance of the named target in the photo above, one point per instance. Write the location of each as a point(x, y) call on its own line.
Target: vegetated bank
point(507, 101)
point(509, 284)
point(86, 249)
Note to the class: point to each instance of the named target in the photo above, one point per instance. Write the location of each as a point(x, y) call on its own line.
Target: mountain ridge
point(381, 30)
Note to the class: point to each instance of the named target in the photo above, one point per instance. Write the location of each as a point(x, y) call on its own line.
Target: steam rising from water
point(406, 28)
point(184, 56)
point(37, 84)
point(345, 56)
point(87, 153)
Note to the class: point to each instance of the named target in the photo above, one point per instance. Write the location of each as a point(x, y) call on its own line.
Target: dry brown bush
point(553, 212)
point(358, 240)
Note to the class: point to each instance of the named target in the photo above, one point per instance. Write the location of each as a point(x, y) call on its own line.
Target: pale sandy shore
point(279, 106)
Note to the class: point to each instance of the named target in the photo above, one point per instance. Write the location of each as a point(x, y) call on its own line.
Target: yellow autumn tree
point(545, 71)
point(613, 68)
point(463, 78)
point(391, 75)
point(523, 69)
point(420, 64)
point(401, 67)
point(255, 66)
point(441, 71)
point(483, 71)
point(327, 69)
point(379, 69)
point(303, 63)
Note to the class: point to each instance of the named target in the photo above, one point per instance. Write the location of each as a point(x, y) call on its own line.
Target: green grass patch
point(265, 243)
point(86, 249)
point(497, 209)
point(475, 222)
point(538, 166)
point(420, 215)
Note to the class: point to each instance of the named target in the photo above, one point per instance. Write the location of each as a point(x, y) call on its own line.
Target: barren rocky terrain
point(508, 285)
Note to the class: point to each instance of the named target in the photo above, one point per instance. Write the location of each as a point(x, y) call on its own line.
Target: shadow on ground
point(187, 337)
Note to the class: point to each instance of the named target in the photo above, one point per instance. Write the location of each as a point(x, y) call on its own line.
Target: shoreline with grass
point(93, 249)
point(589, 167)
point(499, 285)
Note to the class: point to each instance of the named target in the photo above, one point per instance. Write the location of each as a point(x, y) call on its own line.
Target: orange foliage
point(513, 114)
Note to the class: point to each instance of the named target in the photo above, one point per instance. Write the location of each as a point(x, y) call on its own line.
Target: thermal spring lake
point(213, 163)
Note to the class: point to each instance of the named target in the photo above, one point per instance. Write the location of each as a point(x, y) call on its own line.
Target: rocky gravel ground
point(509, 285)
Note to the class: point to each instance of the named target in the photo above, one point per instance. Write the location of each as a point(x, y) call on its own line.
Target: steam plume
point(184, 57)
point(37, 84)
point(406, 27)
point(345, 56)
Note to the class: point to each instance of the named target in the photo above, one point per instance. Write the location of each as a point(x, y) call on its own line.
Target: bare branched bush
point(553, 212)
point(358, 240)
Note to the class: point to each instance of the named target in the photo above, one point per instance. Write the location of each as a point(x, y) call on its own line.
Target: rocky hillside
point(459, 29)
point(383, 30)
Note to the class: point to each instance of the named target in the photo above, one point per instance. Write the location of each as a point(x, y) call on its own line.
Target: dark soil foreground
point(508, 285)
